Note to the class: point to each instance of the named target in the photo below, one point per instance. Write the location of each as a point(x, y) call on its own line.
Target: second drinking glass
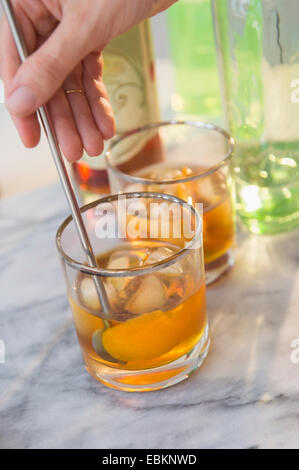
point(192, 162)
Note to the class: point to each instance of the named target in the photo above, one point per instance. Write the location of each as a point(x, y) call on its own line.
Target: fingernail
point(21, 102)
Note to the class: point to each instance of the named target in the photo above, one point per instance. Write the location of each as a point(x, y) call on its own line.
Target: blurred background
point(187, 82)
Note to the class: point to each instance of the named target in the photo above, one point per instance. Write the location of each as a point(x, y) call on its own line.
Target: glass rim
point(171, 122)
point(138, 271)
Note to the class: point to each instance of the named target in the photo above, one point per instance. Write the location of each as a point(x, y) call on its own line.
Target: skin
point(65, 39)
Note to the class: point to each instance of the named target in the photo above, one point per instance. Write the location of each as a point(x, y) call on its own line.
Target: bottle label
point(130, 83)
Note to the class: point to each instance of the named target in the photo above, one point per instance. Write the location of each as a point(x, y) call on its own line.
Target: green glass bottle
point(194, 58)
point(258, 44)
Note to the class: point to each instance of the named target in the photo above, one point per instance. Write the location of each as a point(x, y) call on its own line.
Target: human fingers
point(90, 135)
point(28, 128)
point(97, 95)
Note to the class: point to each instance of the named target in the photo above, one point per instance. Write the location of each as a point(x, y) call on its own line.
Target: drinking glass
point(193, 163)
point(150, 259)
point(258, 44)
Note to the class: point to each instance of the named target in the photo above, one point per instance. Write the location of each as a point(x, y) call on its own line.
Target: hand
point(65, 39)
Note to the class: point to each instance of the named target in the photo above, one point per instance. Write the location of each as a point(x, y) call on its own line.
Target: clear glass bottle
point(129, 76)
point(258, 44)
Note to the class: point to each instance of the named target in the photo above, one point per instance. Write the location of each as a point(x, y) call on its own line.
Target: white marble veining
point(245, 395)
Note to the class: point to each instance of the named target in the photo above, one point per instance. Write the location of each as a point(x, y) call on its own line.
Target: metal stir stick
point(60, 165)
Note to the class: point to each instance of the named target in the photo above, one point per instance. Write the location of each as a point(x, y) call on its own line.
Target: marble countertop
point(245, 396)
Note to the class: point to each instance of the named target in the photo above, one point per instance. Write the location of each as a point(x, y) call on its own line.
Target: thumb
point(43, 73)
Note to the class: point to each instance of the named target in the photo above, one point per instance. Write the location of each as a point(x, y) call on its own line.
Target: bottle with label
point(258, 52)
point(129, 77)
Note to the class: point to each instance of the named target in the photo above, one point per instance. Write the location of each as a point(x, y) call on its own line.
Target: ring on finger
point(69, 92)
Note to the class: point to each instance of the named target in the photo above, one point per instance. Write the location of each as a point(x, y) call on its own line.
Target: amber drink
point(196, 167)
point(156, 332)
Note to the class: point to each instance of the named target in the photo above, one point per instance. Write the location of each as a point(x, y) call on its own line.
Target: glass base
point(219, 267)
point(151, 379)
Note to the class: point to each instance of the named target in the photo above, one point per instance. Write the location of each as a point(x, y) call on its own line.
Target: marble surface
point(245, 395)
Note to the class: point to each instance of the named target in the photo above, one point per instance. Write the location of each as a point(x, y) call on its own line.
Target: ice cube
point(118, 262)
point(124, 260)
point(88, 295)
point(150, 296)
point(209, 190)
point(165, 173)
point(161, 254)
point(179, 190)
point(127, 259)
